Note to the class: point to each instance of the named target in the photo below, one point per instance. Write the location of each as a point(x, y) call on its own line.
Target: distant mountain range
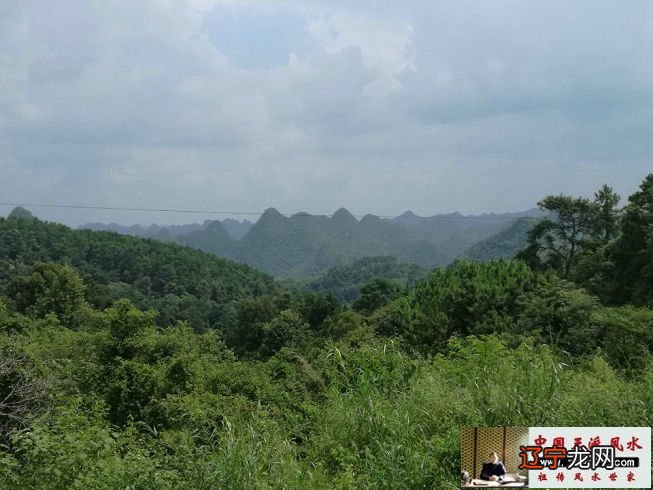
point(303, 245)
point(234, 228)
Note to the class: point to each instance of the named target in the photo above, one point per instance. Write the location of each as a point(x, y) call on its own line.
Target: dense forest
point(345, 282)
point(127, 362)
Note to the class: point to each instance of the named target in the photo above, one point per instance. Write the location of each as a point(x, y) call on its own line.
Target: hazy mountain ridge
point(455, 232)
point(305, 245)
point(235, 229)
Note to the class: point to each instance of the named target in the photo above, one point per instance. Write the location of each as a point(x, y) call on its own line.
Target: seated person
point(494, 469)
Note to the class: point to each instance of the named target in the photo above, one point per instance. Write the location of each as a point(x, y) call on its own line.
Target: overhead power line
point(241, 213)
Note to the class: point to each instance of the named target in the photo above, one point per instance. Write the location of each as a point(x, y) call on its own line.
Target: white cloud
point(250, 104)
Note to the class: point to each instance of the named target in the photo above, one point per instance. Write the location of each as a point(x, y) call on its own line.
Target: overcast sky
point(379, 106)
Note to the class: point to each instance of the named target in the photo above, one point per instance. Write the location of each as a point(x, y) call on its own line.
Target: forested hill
point(179, 282)
point(503, 245)
point(346, 281)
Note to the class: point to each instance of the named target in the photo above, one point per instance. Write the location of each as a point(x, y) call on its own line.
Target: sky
point(378, 106)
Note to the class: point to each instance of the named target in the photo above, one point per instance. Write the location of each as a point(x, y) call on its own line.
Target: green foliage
point(503, 245)
point(183, 413)
point(375, 294)
point(632, 252)
point(604, 249)
point(131, 391)
point(316, 394)
point(346, 281)
point(504, 386)
point(558, 313)
point(466, 298)
point(51, 288)
point(287, 329)
point(252, 314)
point(178, 282)
point(125, 324)
point(74, 448)
point(605, 214)
point(346, 324)
point(376, 430)
point(557, 242)
point(577, 226)
point(626, 336)
point(316, 308)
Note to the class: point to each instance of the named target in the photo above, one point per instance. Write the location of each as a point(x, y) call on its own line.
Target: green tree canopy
point(576, 226)
point(50, 288)
point(632, 253)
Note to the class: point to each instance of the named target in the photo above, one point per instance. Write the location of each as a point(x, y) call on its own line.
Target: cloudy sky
point(379, 106)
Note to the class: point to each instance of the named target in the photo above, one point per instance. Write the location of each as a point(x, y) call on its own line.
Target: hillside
point(502, 245)
point(180, 282)
point(345, 281)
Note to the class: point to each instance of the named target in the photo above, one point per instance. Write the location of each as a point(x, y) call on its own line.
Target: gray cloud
point(380, 107)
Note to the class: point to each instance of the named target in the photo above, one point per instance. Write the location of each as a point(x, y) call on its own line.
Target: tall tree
point(557, 241)
point(606, 213)
point(632, 253)
point(575, 229)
